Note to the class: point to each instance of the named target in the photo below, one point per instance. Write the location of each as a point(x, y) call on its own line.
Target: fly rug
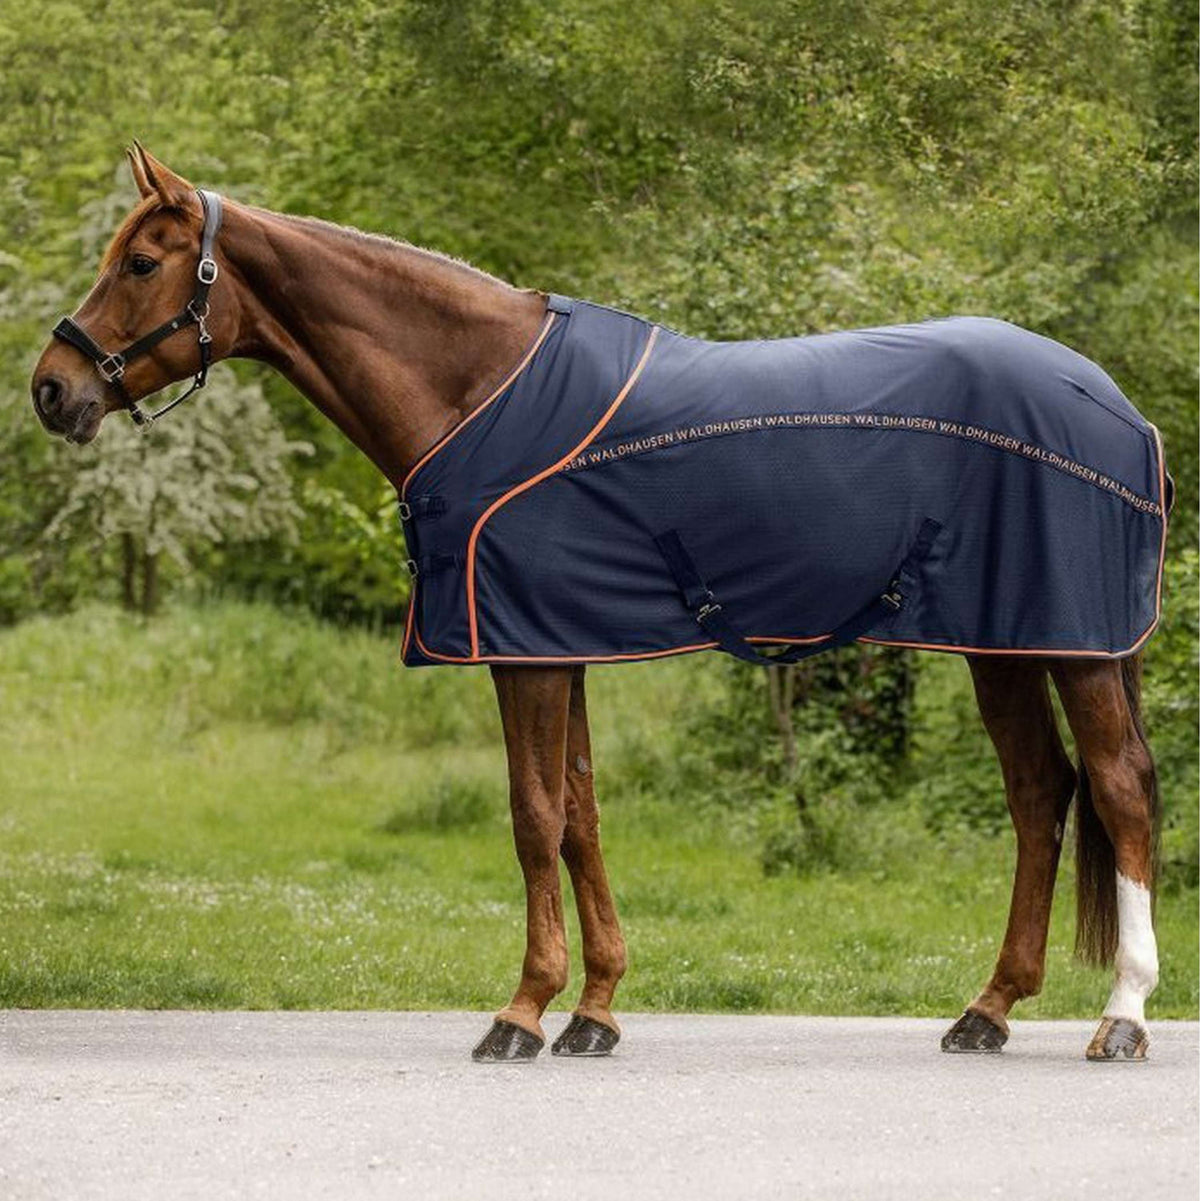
point(636, 493)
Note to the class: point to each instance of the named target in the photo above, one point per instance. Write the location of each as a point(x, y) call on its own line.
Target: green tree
point(215, 472)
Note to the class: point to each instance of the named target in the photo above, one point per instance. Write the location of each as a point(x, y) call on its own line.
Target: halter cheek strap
point(111, 366)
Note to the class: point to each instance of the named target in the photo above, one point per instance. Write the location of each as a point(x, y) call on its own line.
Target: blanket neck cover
point(628, 492)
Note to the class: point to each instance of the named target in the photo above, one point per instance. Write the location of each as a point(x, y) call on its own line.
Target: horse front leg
point(592, 1029)
point(1014, 701)
point(533, 711)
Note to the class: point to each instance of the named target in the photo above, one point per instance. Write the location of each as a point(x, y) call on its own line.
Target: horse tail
point(1095, 880)
point(1096, 928)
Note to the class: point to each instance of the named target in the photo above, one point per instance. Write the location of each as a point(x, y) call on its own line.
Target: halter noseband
point(112, 366)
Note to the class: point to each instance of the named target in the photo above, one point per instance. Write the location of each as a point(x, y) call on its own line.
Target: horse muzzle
point(75, 418)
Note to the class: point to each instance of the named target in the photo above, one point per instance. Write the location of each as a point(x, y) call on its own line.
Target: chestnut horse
point(396, 346)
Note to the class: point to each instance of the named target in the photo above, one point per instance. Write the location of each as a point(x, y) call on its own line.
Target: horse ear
point(134, 155)
point(173, 190)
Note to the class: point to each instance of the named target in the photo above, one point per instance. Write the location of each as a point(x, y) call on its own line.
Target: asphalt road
point(135, 1105)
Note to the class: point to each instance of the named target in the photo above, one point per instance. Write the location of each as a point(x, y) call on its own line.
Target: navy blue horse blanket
point(628, 492)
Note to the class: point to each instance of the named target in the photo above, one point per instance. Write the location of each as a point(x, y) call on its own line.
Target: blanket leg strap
point(709, 614)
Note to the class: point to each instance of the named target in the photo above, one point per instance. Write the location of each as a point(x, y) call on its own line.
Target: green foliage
point(252, 663)
point(854, 703)
point(215, 470)
point(849, 720)
point(953, 772)
point(346, 562)
point(739, 170)
point(191, 819)
point(452, 805)
point(1171, 709)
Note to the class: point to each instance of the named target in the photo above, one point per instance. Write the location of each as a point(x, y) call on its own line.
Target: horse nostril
point(48, 392)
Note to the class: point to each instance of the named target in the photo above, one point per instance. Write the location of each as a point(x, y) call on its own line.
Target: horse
point(403, 348)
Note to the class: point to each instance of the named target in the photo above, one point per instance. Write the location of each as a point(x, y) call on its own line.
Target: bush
point(453, 804)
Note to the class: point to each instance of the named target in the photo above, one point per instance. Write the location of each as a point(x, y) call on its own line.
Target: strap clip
point(404, 509)
point(698, 599)
point(411, 564)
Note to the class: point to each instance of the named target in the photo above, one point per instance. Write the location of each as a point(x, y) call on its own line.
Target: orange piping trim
point(1044, 653)
point(500, 501)
point(675, 650)
point(691, 648)
point(625, 656)
point(508, 379)
point(1162, 504)
point(409, 621)
point(435, 655)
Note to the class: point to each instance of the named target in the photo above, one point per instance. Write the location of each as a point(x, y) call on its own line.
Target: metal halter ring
point(111, 367)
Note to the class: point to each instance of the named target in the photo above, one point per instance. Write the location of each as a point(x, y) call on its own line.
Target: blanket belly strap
point(710, 615)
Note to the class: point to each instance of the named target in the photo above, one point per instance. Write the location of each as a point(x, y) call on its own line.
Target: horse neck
point(395, 345)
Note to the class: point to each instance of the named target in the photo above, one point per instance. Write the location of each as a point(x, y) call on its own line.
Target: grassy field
point(232, 807)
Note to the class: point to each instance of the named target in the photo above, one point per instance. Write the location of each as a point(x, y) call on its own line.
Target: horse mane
point(386, 243)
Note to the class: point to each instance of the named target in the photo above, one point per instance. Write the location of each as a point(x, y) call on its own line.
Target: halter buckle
point(207, 271)
point(111, 367)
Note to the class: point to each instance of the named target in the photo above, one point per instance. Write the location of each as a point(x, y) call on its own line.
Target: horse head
point(127, 340)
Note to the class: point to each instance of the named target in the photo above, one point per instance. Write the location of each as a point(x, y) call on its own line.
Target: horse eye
point(141, 265)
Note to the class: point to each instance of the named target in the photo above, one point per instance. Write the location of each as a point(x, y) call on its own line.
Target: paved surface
point(348, 1105)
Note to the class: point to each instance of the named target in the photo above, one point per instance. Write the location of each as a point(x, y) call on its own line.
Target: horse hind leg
point(592, 1029)
point(1014, 702)
point(1117, 841)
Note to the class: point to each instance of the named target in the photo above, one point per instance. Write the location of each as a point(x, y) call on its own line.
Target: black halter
point(112, 366)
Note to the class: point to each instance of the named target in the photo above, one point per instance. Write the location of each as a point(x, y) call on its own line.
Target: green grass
point(233, 807)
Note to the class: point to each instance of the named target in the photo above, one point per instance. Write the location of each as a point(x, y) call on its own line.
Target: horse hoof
point(1118, 1038)
point(506, 1042)
point(973, 1034)
point(585, 1037)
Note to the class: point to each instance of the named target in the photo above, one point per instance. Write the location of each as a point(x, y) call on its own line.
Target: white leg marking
point(1137, 953)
